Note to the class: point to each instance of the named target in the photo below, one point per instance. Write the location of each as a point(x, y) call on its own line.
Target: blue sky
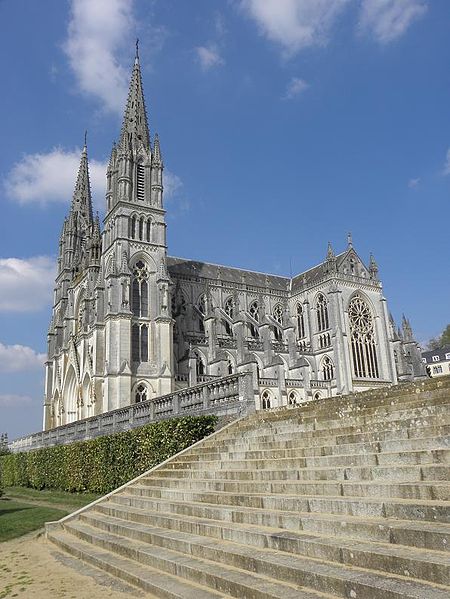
point(284, 124)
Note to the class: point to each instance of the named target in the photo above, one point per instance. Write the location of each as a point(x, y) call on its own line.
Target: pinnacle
point(82, 200)
point(135, 125)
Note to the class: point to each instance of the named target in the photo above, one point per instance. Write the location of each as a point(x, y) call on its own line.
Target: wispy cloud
point(26, 284)
point(414, 183)
point(172, 185)
point(97, 31)
point(8, 400)
point(295, 87)
point(17, 358)
point(387, 20)
point(50, 177)
point(295, 24)
point(447, 163)
point(209, 57)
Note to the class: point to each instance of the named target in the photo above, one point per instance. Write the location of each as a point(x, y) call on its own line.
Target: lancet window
point(362, 329)
point(140, 290)
point(199, 365)
point(300, 322)
point(266, 400)
point(230, 312)
point(141, 393)
point(327, 369)
point(278, 313)
point(323, 322)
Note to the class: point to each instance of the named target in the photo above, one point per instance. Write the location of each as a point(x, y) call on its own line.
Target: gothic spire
point(330, 252)
point(82, 200)
point(135, 125)
point(373, 267)
point(157, 150)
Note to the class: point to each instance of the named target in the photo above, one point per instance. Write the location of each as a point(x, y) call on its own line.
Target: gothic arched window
point(364, 353)
point(327, 369)
point(199, 365)
point(139, 299)
point(323, 322)
point(201, 306)
point(254, 311)
point(300, 322)
point(229, 307)
point(266, 400)
point(141, 393)
point(292, 399)
point(278, 313)
point(132, 227)
point(149, 230)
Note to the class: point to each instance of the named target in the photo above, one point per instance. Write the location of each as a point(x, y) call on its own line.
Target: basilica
point(131, 323)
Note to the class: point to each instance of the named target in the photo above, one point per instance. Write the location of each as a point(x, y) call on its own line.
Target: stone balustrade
point(225, 397)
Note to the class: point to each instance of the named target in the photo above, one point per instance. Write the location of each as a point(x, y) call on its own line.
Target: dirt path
point(32, 567)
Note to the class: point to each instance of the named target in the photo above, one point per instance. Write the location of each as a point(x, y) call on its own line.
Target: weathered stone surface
point(345, 498)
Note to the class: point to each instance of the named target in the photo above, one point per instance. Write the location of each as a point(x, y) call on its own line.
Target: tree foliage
point(439, 342)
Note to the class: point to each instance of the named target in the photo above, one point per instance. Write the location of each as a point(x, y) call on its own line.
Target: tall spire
point(82, 200)
point(135, 125)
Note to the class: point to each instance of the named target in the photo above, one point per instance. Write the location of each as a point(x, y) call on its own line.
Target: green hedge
point(103, 464)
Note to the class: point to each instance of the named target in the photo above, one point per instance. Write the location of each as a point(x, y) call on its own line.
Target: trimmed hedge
point(105, 463)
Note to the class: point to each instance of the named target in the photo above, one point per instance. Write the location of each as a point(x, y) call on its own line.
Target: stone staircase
point(343, 497)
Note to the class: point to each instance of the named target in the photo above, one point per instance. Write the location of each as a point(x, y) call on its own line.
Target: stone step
point(423, 472)
point(425, 535)
point(403, 509)
point(399, 445)
point(273, 568)
point(340, 436)
point(291, 506)
point(435, 456)
point(304, 421)
point(145, 577)
point(432, 566)
point(339, 428)
point(418, 490)
point(226, 579)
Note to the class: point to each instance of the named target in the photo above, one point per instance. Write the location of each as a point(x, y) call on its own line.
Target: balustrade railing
point(228, 395)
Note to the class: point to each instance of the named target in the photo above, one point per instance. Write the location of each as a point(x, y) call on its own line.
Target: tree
point(444, 339)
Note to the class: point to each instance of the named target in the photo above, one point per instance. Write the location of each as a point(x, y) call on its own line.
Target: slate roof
point(193, 268)
point(314, 274)
point(428, 355)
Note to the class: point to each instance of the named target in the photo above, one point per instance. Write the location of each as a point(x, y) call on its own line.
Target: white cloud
point(413, 183)
point(295, 24)
point(209, 57)
point(11, 401)
point(26, 285)
point(447, 163)
point(387, 20)
point(172, 184)
point(97, 30)
point(50, 177)
point(295, 87)
point(18, 358)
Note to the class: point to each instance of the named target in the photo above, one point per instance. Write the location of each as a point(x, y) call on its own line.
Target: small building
point(437, 361)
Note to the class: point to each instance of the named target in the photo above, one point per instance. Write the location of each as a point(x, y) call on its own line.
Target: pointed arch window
point(300, 322)
point(149, 230)
point(327, 369)
point(140, 182)
point(323, 322)
point(278, 313)
point(141, 393)
point(132, 227)
point(230, 312)
point(362, 329)
point(199, 365)
point(266, 403)
point(139, 301)
point(254, 311)
point(201, 306)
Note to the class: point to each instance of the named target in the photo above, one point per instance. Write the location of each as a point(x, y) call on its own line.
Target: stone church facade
point(130, 323)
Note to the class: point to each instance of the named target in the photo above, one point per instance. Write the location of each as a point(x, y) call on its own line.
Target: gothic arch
point(200, 362)
point(142, 391)
point(70, 396)
point(86, 396)
point(327, 368)
point(322, 314)
point(267, 399)
point(363, 342)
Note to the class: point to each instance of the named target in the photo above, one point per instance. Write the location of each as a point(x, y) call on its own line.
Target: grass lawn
point(24, 510)
point(61, 498)
point(17, 518)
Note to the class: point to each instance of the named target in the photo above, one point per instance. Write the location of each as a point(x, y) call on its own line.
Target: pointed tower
point(138, 323)
point(330, 261)
point(373, 268)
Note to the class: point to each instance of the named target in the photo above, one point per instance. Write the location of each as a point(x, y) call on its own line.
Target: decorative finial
point(85, 138)
point(137, 48)
point(349, 240)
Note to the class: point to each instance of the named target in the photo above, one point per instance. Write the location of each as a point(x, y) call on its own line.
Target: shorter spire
point(373, 267)
point(330, 253)
point(157, 159)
